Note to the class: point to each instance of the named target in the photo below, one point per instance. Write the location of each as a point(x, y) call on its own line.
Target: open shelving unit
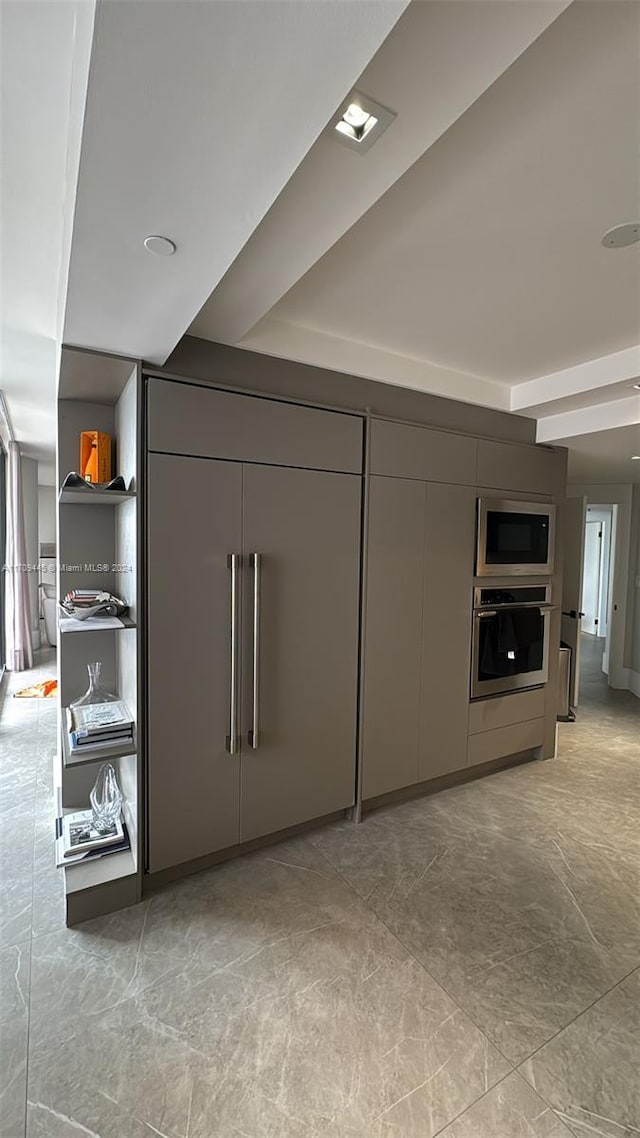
point(91, 497)
point(98, 547)
point(81, 629)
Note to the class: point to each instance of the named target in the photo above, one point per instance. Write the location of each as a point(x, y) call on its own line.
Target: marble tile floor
point(466, 965)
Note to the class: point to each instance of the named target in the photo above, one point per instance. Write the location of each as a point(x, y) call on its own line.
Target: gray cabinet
point(305, 525)
point(418, 632)
point(446, 629)
point(301, 616)
point(404, 451)
point(532, 469)
point(194, 516)
point(185, 418)
point(395, 584)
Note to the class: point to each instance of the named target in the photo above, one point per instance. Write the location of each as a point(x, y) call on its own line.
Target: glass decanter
point(95, 693)
point(106, 798)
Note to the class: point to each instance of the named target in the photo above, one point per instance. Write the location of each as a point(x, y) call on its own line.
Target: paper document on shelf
point(68, 624)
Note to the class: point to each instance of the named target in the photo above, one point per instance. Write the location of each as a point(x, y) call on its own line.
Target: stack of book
point(80, 838)
point(99, 725)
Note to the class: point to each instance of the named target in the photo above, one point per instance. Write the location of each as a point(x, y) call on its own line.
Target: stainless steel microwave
point(514, 538)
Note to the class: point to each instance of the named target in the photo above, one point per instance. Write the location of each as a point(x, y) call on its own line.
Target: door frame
point(619, 496)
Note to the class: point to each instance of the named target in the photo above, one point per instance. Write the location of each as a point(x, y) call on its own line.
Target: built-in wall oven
point(510, 647)
point(514, 538)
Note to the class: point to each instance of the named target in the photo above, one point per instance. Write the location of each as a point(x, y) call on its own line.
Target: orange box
point(95, 456)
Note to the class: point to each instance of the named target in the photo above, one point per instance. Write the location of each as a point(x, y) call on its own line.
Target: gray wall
point(252, 371)
point(46, 514)
point(620, 633)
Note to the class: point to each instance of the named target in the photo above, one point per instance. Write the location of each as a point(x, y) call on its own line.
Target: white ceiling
point(197, 116)
point(438, 60)
point(44, 60)
point(604, 456)
point(485, 257)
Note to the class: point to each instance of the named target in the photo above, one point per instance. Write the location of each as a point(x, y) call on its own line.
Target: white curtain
point(19, 651)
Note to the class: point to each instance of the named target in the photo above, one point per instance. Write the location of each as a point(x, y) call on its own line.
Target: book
point(88, 855)
point(80, 833)
point(98, 718)
point(88, 738)
point(103, 742)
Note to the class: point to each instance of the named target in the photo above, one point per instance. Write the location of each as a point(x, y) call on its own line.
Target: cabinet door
point(305, 525)
point(446, 653)
point(393, 644)
point(194, 522)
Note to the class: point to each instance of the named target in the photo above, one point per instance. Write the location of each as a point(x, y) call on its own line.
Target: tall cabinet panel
point(450, 529)
point(395, 574)
point(194, 523)
point(305, 525)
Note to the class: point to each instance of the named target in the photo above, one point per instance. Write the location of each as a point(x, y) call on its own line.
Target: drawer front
point(403, 451)
point(504, 741)
point(186, 419)
point(502, 466)
point(488, 714)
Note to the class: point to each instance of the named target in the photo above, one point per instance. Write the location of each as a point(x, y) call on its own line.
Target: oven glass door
point(514, 538)
point(509, 650)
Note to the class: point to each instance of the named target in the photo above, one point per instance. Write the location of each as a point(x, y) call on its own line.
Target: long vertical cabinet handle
point(254, 734)
point(232, 741)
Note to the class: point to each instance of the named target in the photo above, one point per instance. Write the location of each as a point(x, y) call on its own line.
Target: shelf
point(127, 622)
point(109, 867)
point(78, 497)
point(93, 755)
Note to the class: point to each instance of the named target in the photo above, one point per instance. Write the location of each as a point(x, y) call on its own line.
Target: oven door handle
point(513, 607)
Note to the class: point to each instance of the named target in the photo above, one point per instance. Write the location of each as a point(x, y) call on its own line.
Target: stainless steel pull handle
point(254, 733)
point(485, 613)
point(233, 562)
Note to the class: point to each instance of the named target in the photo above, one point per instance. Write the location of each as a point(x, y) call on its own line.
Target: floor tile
point(78, 974)
point(272, 970)
point(14, 1022)
point(16, 889)
point(521, 936)
point(589, 1072)
point(512, 1109)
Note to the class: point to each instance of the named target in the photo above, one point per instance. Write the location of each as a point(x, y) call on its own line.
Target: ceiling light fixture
point(621, 235)
point(636, 386)
point(635, 457)
point(162, 246)
point(360, 121)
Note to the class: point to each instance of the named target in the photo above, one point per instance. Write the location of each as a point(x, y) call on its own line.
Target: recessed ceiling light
point(635, 457)
point(357, 117)
point(621, 235)
point(636, 386)
point(163, 246)
point(360, 121)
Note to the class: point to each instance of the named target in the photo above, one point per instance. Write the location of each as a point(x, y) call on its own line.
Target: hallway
point(466, 965)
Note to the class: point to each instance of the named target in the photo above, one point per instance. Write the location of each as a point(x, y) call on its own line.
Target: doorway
point(591, 620)
point(597, 574)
